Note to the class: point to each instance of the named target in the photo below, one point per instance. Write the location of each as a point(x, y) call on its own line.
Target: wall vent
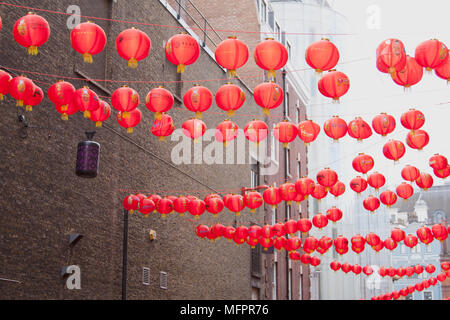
point(163, 280)
point(146, 276)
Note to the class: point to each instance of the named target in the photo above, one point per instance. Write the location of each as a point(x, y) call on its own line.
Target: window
point(286, 104)
point(288, 48)
point(409, 297)
point(288, 162)
point(428, 248)
point(254, 172)
point(403, 248)
point(427, 295)
point(256, 261)
point(263, 11)
point(278, 31)
point(274, 281)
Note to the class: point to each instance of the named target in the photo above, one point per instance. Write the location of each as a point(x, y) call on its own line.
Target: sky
point(373, 92)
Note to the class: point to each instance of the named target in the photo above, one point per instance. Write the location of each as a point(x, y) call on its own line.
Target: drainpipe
point(286, 105)
point(125, 255)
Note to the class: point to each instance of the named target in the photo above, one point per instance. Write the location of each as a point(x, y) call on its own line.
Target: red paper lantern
point(431, 54)
point(271, 196)
point(335, 265)
point(404, 292)
point(305, 186)
point(182, 50)
point(383, 124)
point(412, 119)
point(305, 258)
point(432, 281)
point(194, 129)
point(410, 241)
point(294, 255)
point(391, 272)
point(231, 54)
point(256, 131)
point(358, 184)
point(334, 84)
point(5, 78)
point(334, 214)
point(181, 205)
point(335, 128)
point(228, 233)
point(198, 99)
point(373, 239)
point(252, 242)
point(164, 207)
point(236, 204)
point(417, 139)
point(253, 200)
point(320, 220)
point(376, 180)
point(341, 245)
point(61, 93)
point(346, 267)
point(363, 163)
point(70, 109)
point(327, 178)
point(356, 269)
point(299, 198)
point(155, 198)
point(21, 88)
point(438, 162)
point(285, 132)
point(31, 31)
point(34, 99)
point(338, 189)
point(132, 121)
point(443, 71)
point(371, 203)
point(226, 131)
point(293, 244)
point(325, 243)
point(131, 203)
point(410, 75)
point(304, 225)
point(230, 98)
point(404, 190)
point(390, 244)
point(445, 265)
point(425, 235)
point(391, 56)
point(410, 173)
point(358, 243)
point(133, 45)
point(196, 208)
point(308, 131)
point(163, 127)
point(444, 173)
point(439, 232)
point(146, 206)
point(266, 243)
point(424, 181)
point(441, 277)
point(86, 101)
point(315, 261)
point(394, 150)
point(319, 192)
point(88, 39)
point(378, 247)
point(367, 270)
point(409, 271)
point(267, 231)
point(217, 230)
point(310, 244)
point(322, 55)
point(287, 192)
point(214, 205)
point(419, 286)
point(201, 231)
point(268, 95)
point(101, 114)
point(430, 268)
point(359, 129)
point(270, 55)
point(280, 229)
point(279, 243)
point(388, 198)
point(398, 235)
point(382, 271)
point(159, 100)
point(411, 289)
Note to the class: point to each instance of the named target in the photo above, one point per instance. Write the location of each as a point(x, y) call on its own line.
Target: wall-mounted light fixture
point(88, 156)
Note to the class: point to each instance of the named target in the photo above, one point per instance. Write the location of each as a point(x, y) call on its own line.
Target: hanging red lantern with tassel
point(194, 129)
point(430, 268)
point(86, 100)
point(69, 110)
point(391, 56)
point(88, 39)
point(383, 124)
point(410, 241)
point(5, 78)
point(308, 131)
point(363, 163)
point(412, 119)
point(271, 196)
point(356, 269)
point(305, 258)
point(21, 88)
point(325, 243)
point(335, 265)
point(101, 114)
point(304, 225)
point(320, 220)
point(376, 180)
point(346, 267)
point(163, 127)
point(322, 55)
point(279, 243)
point(159, 101)
point(230, 98)
point(266, 243)
point(252, 242)
point(372, 239)
point(390, 244)
point(131, 203)
point(398, 235)
point(341, 245)
point(196, 208)
point(431, 54)
point(146, 206)
point(133, 45)
point(256, 131)
point(182, 50)
point(310, 245)
point(285, 132)
point(327, 178)
point(254, 232)
point(34, 100)
point(132, 121)
point(334, 214)
point(358, 184)
point(280, 229)
point(268, 95)
point(228, 233)
point(236, 204)
point(164, 207)
point(424, 181)
point(305, 186)
point(438, 162)
point(410, 173)
point(444, 173)
point(319, 192)
point(214, 205)
point(404, 190)
point(270, 55)
point(410, 75)
point(61, 93)
point(358, 242)
point(231, 54)
point(338, 189)
point(293, 244)
point(198, 99)
point(443, 71)
point(334, 84)
point(181, 205)
point(253, 200)
point(359, 129)
point(335, 128)
point(439, 232)
point(226, 131)
point(287, 192)
point(394, 150)
point(417, 139)
point(425, 235)
point(367, 270)
point(388, 198)
point(31, 32)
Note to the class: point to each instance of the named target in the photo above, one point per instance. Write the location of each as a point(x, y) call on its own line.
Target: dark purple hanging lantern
point(88, 156)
